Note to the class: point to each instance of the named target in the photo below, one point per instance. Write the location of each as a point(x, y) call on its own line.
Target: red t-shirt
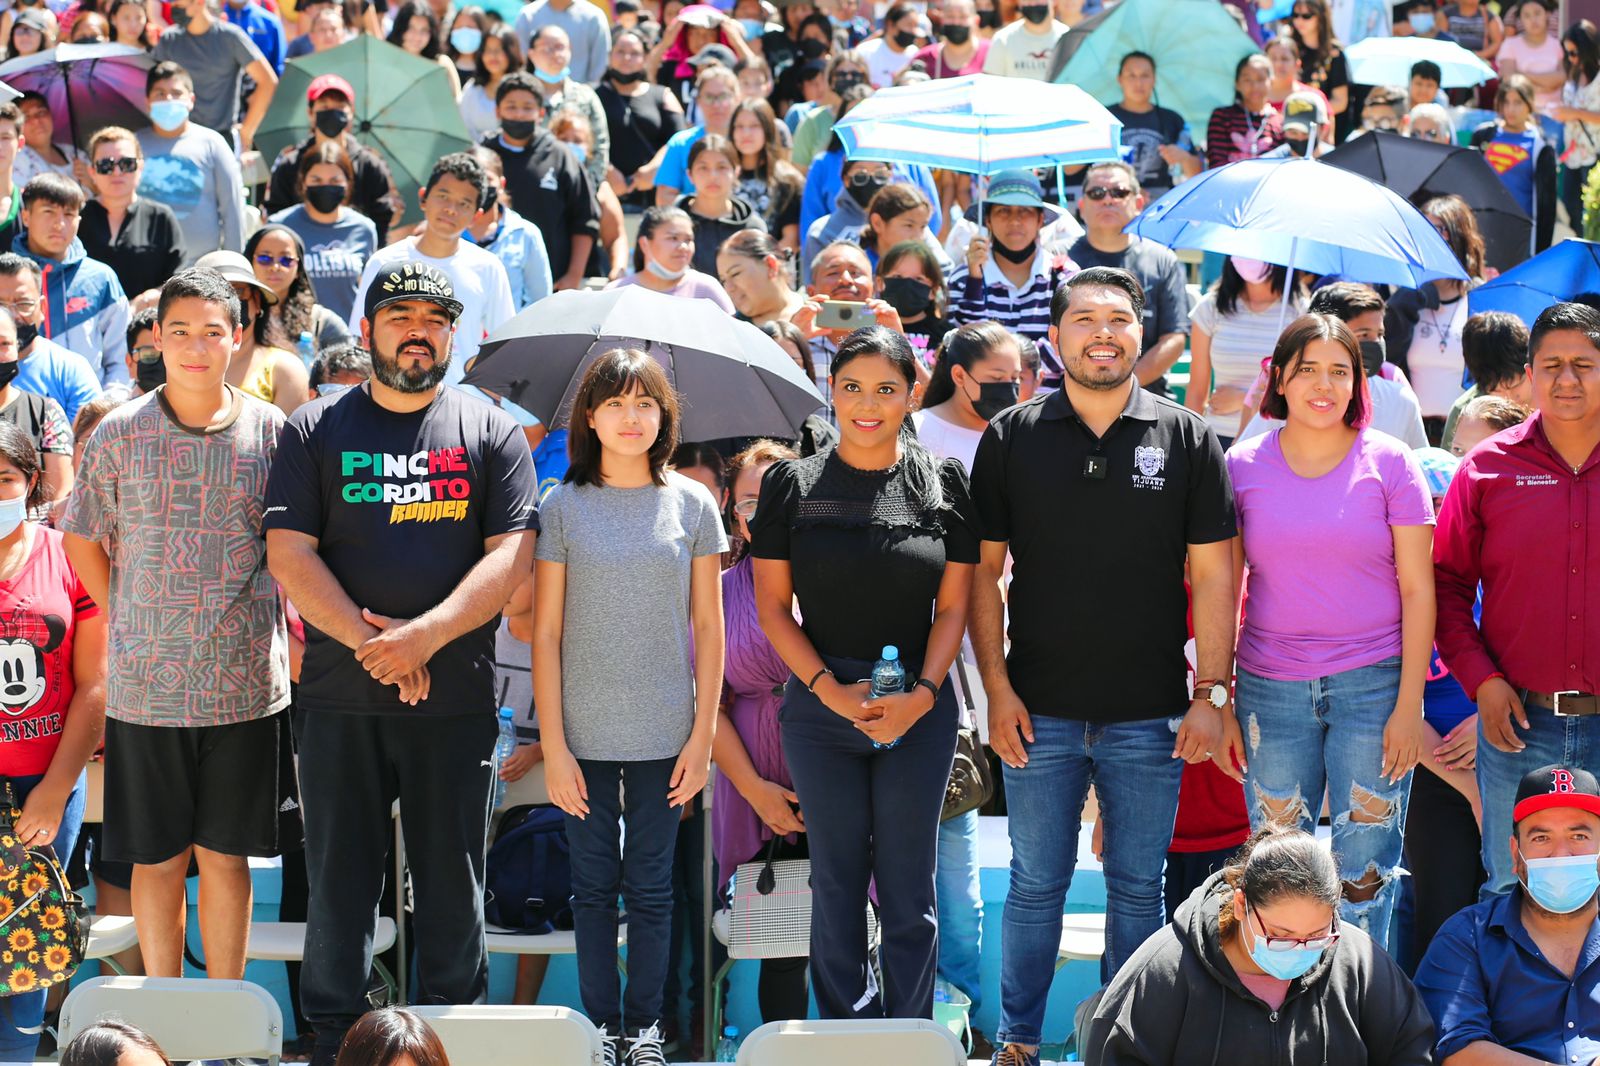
point(40, 607)
point(932, 57)
point(1211, 810)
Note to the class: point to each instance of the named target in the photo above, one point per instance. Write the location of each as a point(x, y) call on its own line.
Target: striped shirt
point(990, 297)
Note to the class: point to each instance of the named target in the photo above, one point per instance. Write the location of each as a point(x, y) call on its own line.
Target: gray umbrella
point(733, 380)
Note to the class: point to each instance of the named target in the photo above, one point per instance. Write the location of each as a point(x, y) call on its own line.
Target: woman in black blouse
point(641, 115)
point(138, 238)
point(877, 540)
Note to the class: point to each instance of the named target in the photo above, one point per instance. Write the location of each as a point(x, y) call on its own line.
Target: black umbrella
point(1409, 166)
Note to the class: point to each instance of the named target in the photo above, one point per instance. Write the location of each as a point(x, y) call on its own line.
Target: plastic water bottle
point(308, 349)
point(728, 1046)
point(1185, 142)
point(888, 676)
point(504, 745)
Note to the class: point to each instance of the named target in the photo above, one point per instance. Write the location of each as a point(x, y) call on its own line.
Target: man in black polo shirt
point(1100, 492)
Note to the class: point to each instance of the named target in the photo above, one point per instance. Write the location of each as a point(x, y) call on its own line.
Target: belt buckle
point(1555, 699)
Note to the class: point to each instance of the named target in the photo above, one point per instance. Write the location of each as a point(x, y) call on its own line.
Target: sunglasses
point(862, 178)
point(288, 262)
point(1115, 192)
point(124, 164)
point(147, 353)
point(1303, 15)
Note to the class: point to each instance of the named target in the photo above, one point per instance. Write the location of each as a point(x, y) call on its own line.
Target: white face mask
point(12, 513)
point(662, 272)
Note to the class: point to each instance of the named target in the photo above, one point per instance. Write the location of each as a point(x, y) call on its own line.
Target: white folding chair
point(190, 1018)
point(109, 936)
point(1083, 938)
point(530, 1036)
point(868, 1042)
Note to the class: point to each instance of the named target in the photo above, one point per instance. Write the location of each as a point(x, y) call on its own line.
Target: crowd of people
point(264, 554)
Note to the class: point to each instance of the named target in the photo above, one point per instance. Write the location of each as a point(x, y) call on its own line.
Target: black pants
point(871, 815)
point(353, 767)
point(1442, 852)
point(1187, 871)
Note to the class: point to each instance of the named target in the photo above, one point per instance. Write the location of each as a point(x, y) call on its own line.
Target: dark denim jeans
point(1136, 781)
point(27, 1011)
point(632, 794)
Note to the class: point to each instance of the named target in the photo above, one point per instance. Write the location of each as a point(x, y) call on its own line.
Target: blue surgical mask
point(1284, 965)
point(466, 39)
point(753, 28)
point(580, 151)
point(553, 79)
point(1421, 22)
point(169, 114)
point(12, 512)
point(1564, 883)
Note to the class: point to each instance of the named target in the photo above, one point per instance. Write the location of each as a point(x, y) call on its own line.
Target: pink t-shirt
point(694, 285)
point(1270, 990)
point(1323, 596)
point(933, 58)
point(1545, 59)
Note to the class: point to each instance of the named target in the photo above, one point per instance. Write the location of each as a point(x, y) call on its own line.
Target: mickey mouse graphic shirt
point(40, 608)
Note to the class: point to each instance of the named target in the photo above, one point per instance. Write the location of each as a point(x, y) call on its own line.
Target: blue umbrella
point(1559, 273)
point(981, 124)
point(1304, 215)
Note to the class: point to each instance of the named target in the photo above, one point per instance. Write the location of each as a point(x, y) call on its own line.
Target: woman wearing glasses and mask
point(1256, 967)
point(139, 239)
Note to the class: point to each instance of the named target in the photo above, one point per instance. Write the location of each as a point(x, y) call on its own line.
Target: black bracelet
point(811, 686)
point(930, 686)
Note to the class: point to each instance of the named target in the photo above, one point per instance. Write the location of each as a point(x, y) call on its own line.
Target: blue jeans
point(960, 905)
point(642, 876)
point(1550, 740)
point(1136, 780)
point(27, 1011)
point(1302, 736)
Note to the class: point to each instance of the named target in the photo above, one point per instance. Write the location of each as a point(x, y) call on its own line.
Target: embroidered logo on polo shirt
point(1148, 462)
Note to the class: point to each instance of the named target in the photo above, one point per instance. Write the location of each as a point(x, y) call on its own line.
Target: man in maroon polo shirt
point(1523, 518)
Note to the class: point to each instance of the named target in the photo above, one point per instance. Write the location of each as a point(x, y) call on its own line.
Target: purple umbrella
point(90, 86)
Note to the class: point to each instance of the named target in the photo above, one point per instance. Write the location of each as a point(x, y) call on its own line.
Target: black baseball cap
point(412, 280)
point(1556, 786)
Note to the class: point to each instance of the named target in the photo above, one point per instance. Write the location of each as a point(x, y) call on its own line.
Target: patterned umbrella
point(86, 86)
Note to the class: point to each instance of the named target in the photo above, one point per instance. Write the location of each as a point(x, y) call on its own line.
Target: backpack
point(528, 874)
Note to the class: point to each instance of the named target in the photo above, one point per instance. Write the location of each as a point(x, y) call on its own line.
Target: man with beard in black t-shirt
point(400, 516)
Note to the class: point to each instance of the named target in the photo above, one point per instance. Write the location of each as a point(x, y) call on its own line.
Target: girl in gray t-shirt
point(627, 667)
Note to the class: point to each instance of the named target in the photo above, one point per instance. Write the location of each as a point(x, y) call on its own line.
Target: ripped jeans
point(1303, 735)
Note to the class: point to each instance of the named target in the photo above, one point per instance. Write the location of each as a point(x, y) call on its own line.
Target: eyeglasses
point(719, 98)
point(125, 164)
point(22, 308)
point(746, 509)
point(288, 262)
point(1115, 192)
point(147, 353)
point(1290, 943)
point(1429, 134)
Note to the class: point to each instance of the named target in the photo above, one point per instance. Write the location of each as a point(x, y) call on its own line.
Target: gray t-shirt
point(216, 61)
point(197, 175)
point(336, 253)
point(627, 678)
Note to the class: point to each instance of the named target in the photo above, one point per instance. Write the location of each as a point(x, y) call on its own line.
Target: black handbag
point(44, 925)
point(971, 782)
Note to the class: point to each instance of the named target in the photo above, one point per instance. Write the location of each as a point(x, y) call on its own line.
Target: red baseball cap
point(1556, 786)
point(329, 83)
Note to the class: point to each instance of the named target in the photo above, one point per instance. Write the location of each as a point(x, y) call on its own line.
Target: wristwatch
point(1213, 692)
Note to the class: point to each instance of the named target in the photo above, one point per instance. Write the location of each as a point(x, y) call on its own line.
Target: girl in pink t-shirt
point(1336, 530)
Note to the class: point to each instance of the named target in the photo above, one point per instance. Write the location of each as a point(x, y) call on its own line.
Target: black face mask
point(990, 19)
point(994, 397)
point(150, 376)
point(1372, 356)
point(1299, 148)
point(8, 371)
point(863, 193)
point(624, 79)
point(326, 198)
point(904, 39)
point(180, 17)
point(1036, 13)
point(957, 35)
point(907, 295)
point(26, 332)
point(518, 129)
point(812, 48)
point(332, 122)
point(1021, 255)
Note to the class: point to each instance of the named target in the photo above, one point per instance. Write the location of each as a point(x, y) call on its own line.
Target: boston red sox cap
point(1556, 786)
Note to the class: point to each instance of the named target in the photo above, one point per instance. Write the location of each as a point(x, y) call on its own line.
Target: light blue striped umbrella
point(981, 124)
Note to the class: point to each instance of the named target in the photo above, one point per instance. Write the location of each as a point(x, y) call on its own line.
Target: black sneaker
point(610, 1048)
point(981, 1047)
point(645, 1049)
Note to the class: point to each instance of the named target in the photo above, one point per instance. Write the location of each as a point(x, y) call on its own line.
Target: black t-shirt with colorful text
point(401, 504)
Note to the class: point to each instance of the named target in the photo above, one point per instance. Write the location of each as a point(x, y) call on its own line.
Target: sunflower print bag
point(44, 926)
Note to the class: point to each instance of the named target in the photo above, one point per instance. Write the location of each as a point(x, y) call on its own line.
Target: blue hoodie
point(85, 309)
point(519, 246)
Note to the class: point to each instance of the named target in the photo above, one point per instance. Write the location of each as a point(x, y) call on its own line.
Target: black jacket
point(1178, 1002)
point(551, 189)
